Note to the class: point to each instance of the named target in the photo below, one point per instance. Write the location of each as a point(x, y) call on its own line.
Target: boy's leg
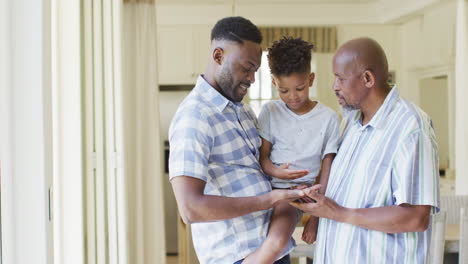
point(309, 235)
point(283, 222)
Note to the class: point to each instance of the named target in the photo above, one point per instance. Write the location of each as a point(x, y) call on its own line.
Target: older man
point(384, 181)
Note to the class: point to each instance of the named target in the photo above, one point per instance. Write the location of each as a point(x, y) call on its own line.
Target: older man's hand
point(322, 207)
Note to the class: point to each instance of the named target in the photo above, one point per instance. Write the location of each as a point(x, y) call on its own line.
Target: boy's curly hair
point(289, 55)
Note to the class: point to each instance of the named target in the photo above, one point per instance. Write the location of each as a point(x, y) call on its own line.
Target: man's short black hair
point(236, 29)
point(289, 55)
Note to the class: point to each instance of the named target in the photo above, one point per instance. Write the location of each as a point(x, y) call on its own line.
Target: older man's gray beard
point(346, 106)
point(349, 107)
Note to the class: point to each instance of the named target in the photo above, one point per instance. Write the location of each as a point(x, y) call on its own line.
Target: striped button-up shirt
point(392, 160)
point(216, 140)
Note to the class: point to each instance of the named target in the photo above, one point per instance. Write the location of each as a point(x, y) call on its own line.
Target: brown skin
point(388, 219)
point(361, 71)
point(230, 67)
point(294, 91)
point(194, 206)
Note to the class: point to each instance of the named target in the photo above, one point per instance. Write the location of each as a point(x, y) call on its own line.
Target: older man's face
point(348, 85)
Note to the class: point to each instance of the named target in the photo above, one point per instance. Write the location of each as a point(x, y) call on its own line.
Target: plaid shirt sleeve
point(190, 146)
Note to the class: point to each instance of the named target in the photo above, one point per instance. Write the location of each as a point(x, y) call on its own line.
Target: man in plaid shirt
point(214, 149)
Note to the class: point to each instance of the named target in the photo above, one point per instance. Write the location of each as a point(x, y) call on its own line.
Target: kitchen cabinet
point(183, 52)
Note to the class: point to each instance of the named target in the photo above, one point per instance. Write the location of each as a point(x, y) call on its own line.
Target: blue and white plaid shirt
point(216, 140)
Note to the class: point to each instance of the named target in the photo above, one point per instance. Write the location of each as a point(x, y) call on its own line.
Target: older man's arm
point(388, 219)
point(195, 206)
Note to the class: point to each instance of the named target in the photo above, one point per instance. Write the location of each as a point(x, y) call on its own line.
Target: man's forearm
point(195, 206)
point(388, 219)
point(206, 208)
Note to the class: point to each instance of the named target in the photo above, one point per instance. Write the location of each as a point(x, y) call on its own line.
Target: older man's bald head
point(362, 54)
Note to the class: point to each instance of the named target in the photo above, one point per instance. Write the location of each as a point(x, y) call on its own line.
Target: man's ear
point(369, 78)
point(218, 55)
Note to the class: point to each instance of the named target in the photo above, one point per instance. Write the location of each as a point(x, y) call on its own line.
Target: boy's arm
point(281, 172)
point(265, 150)
point(310, 229)
point(325, 171)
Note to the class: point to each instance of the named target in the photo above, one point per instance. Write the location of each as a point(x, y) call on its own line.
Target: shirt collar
point(210, 94)
point(378, 120)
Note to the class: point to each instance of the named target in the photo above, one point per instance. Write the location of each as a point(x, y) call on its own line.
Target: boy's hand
point(309, 235)
point(283, 172)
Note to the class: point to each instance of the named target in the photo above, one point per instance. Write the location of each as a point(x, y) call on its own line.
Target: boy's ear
point(273, 81)
point(311, 78)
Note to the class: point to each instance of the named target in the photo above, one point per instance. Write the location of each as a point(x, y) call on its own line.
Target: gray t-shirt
point(300, 140)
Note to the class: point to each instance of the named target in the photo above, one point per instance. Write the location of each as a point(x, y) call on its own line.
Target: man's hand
point(389, 219)
point(281, 196)
point(322, 207)
point(283, 172)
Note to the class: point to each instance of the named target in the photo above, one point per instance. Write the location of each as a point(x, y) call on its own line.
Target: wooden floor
point(171, 260)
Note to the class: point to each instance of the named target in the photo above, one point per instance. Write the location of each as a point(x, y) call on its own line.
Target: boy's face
point(294, 90)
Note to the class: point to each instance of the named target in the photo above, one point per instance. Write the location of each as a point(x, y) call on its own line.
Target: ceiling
point(269, 1)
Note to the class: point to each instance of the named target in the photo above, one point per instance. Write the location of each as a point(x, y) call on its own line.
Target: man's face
point(348, 85)
point(238, 69)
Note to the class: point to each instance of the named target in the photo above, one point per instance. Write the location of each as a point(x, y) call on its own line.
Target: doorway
point(433, 99)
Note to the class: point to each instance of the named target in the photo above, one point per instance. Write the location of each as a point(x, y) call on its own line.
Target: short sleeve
point(415, 172)
point(264, 123)
point(332, 136)
point(190, 143)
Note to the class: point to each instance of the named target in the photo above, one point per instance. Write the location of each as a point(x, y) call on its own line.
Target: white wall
point(68, 195)
point(425, 41)
point(461, 148)
point(7, 206)
point(427, 49)
point(26, 175)
point(324, 77)
point(385, 35)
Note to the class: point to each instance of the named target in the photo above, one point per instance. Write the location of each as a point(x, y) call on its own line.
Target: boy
point(299, 141)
